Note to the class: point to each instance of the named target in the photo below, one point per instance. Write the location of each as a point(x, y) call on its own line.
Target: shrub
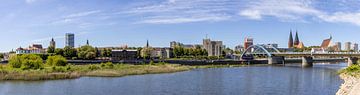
point(107, 65)
point(56, 60)
point(93, 67)
point(15, 61)
point(152, 62)
point(31, 61)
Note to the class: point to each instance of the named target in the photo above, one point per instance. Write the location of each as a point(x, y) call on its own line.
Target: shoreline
point(118, 70)
point(351, 85)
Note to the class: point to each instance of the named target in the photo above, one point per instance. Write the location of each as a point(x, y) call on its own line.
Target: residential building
point(248, 42)
point(174, 43)
point(356, 47)
point(156, 52)
point(33, 49)
point(272, 45)
point(212, 47)
point(124, 54)
point(70, 39)
point(161, 53)
point(347, 46)
point(337, 46)
point(239, 48)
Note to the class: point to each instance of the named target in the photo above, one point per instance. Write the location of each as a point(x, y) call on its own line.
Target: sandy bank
point(351, 85)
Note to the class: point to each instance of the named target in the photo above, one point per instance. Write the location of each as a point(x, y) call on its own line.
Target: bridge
point(274, 56)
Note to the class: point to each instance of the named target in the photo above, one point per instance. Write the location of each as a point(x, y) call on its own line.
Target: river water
point(322, 79)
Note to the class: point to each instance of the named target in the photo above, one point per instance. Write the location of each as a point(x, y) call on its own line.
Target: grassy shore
point(353, 70)
point(96, 70)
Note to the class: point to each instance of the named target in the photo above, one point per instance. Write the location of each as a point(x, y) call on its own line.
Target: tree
point(59, 51)
point(146, 52)
point(86, 52)
point(69, 52)
point(56, 60)
point(51, 49)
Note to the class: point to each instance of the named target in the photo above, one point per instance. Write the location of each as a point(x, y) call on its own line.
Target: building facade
point(213, 48)
point(124, 54)
point(70, 39)
point(239, 48)
point(356, 47)
point(33, 49)
point(337, 46)
point(347, 46)
point(248, 42)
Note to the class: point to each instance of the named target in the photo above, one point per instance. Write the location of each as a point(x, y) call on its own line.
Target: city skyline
point(132, 22)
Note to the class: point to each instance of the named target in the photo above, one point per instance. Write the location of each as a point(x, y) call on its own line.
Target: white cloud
point(183, 11)
point(353, 18)
point(81, 14)
point(177, 19)
point(281, 9)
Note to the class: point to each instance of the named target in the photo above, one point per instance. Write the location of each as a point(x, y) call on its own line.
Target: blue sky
point(132, 22)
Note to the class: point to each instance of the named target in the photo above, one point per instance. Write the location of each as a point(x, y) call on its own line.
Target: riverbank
point(98, 70)
point(351, 77)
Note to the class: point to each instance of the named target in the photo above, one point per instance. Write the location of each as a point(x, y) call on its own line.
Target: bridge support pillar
point(352, 60)
point(276, 60)
point(307, 61)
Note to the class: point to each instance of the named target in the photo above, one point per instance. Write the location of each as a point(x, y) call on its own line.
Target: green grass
point(96, 70)
point(76, 71)
point(353, 70)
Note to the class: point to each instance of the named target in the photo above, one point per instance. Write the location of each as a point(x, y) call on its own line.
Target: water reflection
point(254, 80)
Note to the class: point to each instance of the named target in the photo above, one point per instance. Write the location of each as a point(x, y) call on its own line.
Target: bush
point(15, 61)
point(26, 61)
point(93, 67)
point(107, 65)
point(31, 61)
point(152, 62)
point(56, 60)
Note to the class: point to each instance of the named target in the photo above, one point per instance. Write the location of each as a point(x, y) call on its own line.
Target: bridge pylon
point(276, 60)
point(307, 61)
point(352, 60)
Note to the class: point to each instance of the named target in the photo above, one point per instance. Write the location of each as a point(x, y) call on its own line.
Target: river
point(322, 79)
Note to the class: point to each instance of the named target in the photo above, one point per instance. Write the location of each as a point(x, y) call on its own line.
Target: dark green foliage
point(56, 60)
point(59, 51)
point(107, 65)
point(51, 49)
point(180, 51)
point(86, 52)
point(93, 67)
point(106, 52)
point(69, 52)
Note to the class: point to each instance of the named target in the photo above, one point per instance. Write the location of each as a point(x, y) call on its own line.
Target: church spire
point(297, 41)
point(290, 43)
point(87, 42)
point(147, 43)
